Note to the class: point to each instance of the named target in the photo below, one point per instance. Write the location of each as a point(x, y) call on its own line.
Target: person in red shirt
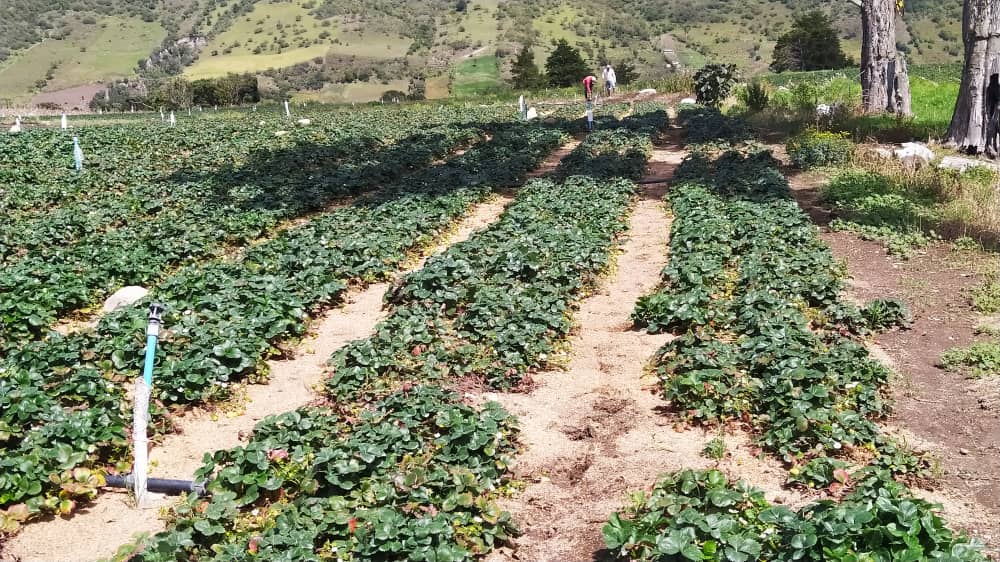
point(588, 86)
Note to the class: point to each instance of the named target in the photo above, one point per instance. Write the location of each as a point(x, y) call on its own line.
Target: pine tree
point(812, 44)
point(565, 66)
point(524, 72)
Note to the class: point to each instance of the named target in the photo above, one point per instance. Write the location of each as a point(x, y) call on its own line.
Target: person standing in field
point(588, 87)
point(610, 80)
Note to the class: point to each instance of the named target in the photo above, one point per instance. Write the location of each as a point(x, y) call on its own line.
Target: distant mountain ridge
point(424, 36)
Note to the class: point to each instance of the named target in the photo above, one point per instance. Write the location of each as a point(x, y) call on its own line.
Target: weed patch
point(978, 360)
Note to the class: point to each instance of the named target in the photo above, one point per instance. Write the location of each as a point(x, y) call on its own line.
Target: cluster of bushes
point(179, 93)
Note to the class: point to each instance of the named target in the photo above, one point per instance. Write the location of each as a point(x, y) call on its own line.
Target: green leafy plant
point(763, 336)
point(980, 359)
point(818, 148)
point(700, 515)
point(62, 397)
point(401, 469)
point(883, 314)
point(756, 96)
point(714, 82)
point(986, 295)
point(414, 477)
point(715, 449)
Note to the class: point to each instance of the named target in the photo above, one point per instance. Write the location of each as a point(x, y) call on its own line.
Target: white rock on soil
point(532, 113)
point(647, 92)
point(963, 164)
point(915, 154)
point(304, 122)
point(689, 101)
point(124, 297)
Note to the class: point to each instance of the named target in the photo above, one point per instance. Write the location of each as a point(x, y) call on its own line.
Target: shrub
point(714, 82)
point(756, 96)
point(817, 148)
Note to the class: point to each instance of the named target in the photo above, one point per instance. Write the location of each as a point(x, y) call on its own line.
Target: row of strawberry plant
point(63, 402)
point(126, 161)
point(498, 304)
point(43, 286)
point(764, 336)
point(105, 196)
point(572, 117)
point(621, 148)
point(413, 476)
point(700, 515)
point(764, 341)
point(339, 486)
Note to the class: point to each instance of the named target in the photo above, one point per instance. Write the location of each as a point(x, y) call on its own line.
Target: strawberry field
point(252, 230)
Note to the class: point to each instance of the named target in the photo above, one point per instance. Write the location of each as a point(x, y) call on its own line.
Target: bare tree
point(885, 83)
point(975, 123)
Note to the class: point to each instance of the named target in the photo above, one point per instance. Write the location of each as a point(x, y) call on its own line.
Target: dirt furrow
point(592, 433)
point(598, 431)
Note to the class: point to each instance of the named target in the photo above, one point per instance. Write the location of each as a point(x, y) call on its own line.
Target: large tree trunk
point(981, 34)
point(885, 84)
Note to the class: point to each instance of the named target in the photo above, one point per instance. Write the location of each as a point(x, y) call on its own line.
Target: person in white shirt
point(610, 80)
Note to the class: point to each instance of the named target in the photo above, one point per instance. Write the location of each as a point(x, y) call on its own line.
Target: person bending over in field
point(588, 87)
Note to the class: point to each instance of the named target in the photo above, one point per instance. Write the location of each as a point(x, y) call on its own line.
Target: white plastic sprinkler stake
point(77, 154)
point(173, 120)
point(523, 109)
point(64, 122)
point(590, 116)
point(162, 117)
point(288, 112)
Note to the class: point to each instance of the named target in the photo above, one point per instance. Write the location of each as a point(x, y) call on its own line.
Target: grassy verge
point(981, 359)
point(906, 209)
point(793, 101)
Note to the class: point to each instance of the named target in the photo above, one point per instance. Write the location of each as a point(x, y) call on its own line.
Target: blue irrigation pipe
point(152, 335)
point(158, 485)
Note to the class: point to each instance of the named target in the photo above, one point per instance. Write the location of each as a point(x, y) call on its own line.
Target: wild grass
point(793, 105)
point(906, 208)
point(986, 296)
point(981, 359)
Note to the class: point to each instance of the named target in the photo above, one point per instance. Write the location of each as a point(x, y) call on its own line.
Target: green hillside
point(375, 42)
point(108, 48)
